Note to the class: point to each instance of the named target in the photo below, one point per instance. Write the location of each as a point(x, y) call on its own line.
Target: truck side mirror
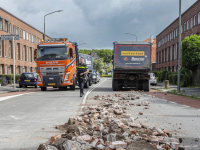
point(112, 57)
point(71, 53)
point(35, 54)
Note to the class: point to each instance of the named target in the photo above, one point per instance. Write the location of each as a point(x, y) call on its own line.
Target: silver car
point(153, 80)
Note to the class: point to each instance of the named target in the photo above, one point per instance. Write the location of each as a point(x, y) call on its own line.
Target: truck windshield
point(52, 53)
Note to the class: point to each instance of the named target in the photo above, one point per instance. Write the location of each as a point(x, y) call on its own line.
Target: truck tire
point(146, 85)
point(86, 85)
point(115, 85)
point(140, 85)
point(72, 87)
point(43, 88)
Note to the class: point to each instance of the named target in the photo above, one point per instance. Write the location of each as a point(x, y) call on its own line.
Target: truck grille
point(52, 73)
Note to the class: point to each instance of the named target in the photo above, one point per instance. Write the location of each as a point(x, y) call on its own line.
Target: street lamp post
point(132, 35)
point(179, 48)
point(44, 20)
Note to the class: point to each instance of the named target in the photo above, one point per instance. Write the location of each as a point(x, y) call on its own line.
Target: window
point(21, 52)
point(30, 56)
point(172, 35)
point(10, 51)
point(199, 18)
point(21, 33)
point(32, 38)
point(9, 30)
point(18, 51)
point(27, 36)
point(24, 35)
point(24, 52)
point(6, 26)
point(0, 48)
point(188, 25)
point(13, 29)
point(174, 68)
point(6, 69)
point(17, 30)
point(185, 27)
point(167, 54)
point(174, 52)
point(10, 69)
point(176, 32)
point(170, 38)
point(1, 24)
point(1, 69)
point(27, 54)
point(191, 23)
point(194, 21)
point(161, 57)
point(164, 56)
point(170, 53)
point(5, 48)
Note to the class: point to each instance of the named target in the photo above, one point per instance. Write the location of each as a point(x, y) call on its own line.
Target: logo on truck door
point(132, 53)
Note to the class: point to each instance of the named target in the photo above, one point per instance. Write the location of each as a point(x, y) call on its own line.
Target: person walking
point(81, 70)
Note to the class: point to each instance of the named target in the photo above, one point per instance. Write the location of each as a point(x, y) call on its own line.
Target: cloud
point(97, 22)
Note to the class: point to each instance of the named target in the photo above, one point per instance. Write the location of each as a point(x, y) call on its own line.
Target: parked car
point(94, 77)
point(28, 79)
point(153, 80)
point(98, 76)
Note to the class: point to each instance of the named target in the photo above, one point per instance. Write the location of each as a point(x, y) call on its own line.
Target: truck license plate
point(27, 80)
point(52, 83)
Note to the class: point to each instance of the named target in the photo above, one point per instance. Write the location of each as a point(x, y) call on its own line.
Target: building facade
point(167, 40)
point(24, 47)
point(153, 52)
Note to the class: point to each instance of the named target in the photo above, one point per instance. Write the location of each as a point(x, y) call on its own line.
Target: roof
point(22, 21)
point(132, 42)
point(178, 17)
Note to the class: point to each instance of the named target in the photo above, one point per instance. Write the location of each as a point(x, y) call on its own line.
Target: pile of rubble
point(108, 126)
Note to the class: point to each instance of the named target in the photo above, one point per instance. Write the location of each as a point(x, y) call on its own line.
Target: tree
point(98, 64)
point(191, 54)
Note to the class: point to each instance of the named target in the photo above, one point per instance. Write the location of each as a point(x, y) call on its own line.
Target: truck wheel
point(72, 87)
point(86, 85)
point(43, 88)
point(146, 85)
point(115, 85)
point(140, 85)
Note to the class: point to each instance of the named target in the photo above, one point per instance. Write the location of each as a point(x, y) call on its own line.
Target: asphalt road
point(28, 120)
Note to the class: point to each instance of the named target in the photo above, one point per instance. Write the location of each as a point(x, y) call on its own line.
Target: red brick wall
point(25, 27)
point(191, 12)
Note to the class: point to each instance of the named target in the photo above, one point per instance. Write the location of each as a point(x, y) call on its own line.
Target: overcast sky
point(98, 22)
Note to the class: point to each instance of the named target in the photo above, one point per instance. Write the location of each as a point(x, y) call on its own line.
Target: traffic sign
point(9, 37)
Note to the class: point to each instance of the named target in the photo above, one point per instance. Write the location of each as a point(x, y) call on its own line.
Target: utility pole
point(179, 49)
point(13, 61)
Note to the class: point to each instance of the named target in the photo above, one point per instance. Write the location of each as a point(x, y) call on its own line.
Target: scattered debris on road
point(107, 126)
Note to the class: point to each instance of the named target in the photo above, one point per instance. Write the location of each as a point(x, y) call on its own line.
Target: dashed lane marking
point(9, 97)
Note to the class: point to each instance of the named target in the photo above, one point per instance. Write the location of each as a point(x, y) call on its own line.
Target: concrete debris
point(108, 127)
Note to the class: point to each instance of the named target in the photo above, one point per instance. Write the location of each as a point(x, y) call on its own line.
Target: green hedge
point(9, 77)
point(186, 77)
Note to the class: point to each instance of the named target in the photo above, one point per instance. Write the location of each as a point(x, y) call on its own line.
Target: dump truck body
point(131, 65)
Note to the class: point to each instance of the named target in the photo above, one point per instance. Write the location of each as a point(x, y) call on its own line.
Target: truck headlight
point(38, 78)
point(67, 76)
point(93, 77)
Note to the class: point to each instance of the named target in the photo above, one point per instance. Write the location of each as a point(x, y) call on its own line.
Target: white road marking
point(14, 117)
point(91, 89)
point(12, 96)
point(173, 102)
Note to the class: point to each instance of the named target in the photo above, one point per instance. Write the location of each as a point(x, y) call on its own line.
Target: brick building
point(24, 48)
point(167, 40)
point(153, 52)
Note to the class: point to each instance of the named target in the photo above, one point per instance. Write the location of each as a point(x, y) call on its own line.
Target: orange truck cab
point(56, 63)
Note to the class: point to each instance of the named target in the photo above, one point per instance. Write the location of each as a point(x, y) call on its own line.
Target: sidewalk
point(9, 88)
point(187, 90)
